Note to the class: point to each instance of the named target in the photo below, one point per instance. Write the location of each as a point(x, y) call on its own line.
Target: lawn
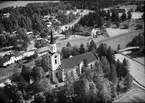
point(115, 32)
point(123, 40)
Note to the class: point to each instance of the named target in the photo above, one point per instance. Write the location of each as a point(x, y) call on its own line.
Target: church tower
point(53, 48)
point(54, 58)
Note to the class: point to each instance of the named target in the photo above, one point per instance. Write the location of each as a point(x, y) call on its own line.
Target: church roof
point(74, 61)
point(43, 49)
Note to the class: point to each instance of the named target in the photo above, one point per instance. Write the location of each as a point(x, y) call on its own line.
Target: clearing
point(114, 32)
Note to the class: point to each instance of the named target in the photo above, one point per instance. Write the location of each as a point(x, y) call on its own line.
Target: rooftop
point(73, 61)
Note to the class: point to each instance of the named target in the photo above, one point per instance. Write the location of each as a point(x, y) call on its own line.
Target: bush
point(125, 26)
point(139, 26)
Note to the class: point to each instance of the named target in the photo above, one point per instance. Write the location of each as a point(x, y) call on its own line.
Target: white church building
point(59, 69)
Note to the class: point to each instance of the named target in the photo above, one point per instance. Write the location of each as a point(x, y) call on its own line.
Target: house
point(6, 15)
point(60, 69)
point(95, 32)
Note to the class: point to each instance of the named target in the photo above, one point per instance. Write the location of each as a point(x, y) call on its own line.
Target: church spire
point(51, 38)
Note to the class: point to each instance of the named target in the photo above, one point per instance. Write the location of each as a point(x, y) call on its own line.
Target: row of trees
point(96, 19)
point(18, 40)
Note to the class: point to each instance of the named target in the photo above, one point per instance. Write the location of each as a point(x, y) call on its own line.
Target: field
point(123, 40)
point(115, 32)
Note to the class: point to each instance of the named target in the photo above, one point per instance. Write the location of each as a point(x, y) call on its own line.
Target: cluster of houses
point(15, 56)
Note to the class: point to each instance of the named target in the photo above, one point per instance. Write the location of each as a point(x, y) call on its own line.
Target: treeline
point(94, 4)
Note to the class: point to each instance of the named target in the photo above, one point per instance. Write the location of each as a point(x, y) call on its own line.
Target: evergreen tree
point(45, 62)
point(105, 66)
point(129, 80)
point(102, 50)
point(118, 47)
point(82, 49)
point(74, 51)
point(125, 69)
point(113, 75)
point(123, 17)
point(118, 68)
point(129, 14)
point(26, 73)
point(68, 44)
point(39, 98)
point(92, 46)
point(65, 52)
point(110, 55)
point(108, 15)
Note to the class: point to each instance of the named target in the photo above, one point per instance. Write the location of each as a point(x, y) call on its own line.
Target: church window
point(55, 61)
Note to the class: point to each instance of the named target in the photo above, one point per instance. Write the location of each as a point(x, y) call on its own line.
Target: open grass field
point(115, 32)
point(122, 39)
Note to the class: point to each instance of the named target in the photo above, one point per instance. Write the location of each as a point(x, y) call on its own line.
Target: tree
point(85, 63)
point(41, 85)
point(125, 69)
point(105, 66)
point(123, 17)
point(113, 74)
point(108, 15)
point(3, 40)
point(26, 73)
point(92, 46)
point(118, 68)
point(2, 28)
point(101, 22)
point(115, 16)
point(129, 80)
point(45, 62)
point(43, 35)
point(38, 62)
point(110, 55)
point(39, 98)
point(102, 50)
point(65, 52)
point(82, 49)
point(69, 94)
point(19, 96)
point(74, 51)
point(68, 44)
point(118, 47)
point(37, 73)
point(129, 14)
point(105, 92)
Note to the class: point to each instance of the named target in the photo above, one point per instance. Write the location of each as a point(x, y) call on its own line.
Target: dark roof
point(74, 61)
